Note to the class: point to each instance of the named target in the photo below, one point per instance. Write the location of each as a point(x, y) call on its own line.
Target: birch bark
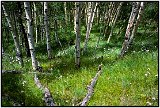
point(77, 45)
point(130, 26)
point(47, 29)
point(30, 35)
point(14, 35)
point(89, 25)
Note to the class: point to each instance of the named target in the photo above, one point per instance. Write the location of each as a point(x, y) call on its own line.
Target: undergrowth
point(131, 81)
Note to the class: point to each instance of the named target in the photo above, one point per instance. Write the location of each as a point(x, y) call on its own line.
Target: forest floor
point(131, 81)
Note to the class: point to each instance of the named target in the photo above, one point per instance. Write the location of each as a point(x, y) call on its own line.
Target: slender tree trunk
point(86, 12)
point(77, 45)
point(35, 21)
point(55, 30)
point(89, 26)
point(30, 35)
point(107, 19)
point(18, 51)
point(100, 35)
point(47, 29)
point(131, 23)
point(65, 10)
point(22, 30)
point(42, 22)
point(137, 22)
point(117, 14)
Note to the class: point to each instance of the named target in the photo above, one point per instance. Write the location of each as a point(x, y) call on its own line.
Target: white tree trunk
point(30, 35)
point(65, 12)
point(137, 22)
point(18, 51)
point(47, 29)
point(35, 20)
point(77, 45)
point(89, 25)
point(131, 23)
point(117, 14)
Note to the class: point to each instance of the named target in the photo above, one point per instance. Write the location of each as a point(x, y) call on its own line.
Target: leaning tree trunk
point(30, 35)
point(22, 30)
point(47, 29)
point(137, 22)
point(18, 51)
point(89, 25)
point(117, 14)
point(77, 45)
point(131, 23)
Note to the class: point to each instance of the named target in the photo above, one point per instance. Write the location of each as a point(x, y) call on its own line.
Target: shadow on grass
point(14, 91)
point(66, 63)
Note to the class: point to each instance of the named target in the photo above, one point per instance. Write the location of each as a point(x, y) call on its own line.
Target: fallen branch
point(11, 71)
point(91, 86)
point(47, 96)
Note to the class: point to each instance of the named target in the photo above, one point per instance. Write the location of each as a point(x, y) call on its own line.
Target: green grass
point(130, 81)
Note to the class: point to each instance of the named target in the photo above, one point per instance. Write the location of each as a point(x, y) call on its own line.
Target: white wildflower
point(146, 75)
point(60, 76)
point(149, 103)
point(153, 98)
point(156, 75)
point(24, 82)
point(148, 68)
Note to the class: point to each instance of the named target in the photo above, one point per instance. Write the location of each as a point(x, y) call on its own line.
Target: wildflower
point(60, 76)
point(24, 82)
point(153, 98)
point(156, 75)
point(148, 103)
point(148, 72)
point(148, 68)
point(146, 75)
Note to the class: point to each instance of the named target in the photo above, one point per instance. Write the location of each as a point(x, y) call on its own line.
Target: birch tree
point(65, 10)
point(35, 21)
point(30, 35)
point(14, 35)
point(56, 28)
point(117, 14)
point(89, 25)
point(22, 30)
point(77, 44)
point(130, 26)
point(137, 22)
point(47, 29)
